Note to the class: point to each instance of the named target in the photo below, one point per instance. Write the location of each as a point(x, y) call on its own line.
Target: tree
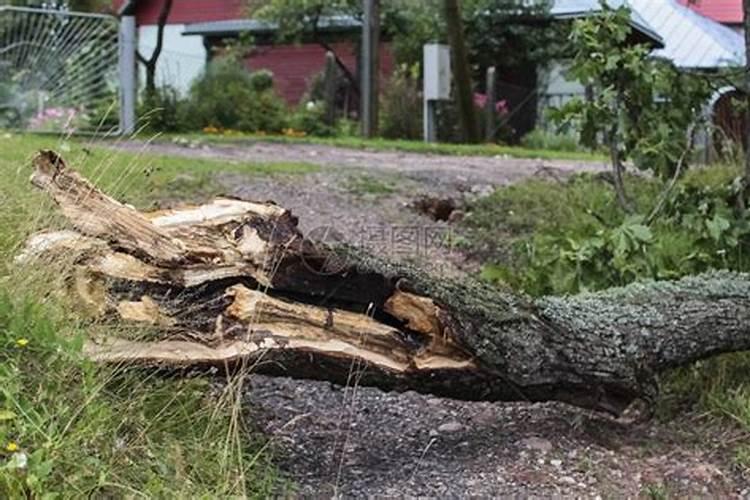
point(461, 71)
point(150, 63)
point(641, 107)
point(233, 282)
point(746, 10)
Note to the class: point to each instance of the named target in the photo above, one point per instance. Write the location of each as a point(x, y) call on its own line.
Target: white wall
point(182, 57)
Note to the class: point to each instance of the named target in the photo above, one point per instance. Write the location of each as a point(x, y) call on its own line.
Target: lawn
point(69, 429)
point(396, 145)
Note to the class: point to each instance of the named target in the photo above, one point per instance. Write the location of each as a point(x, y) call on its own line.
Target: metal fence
point(59, 71)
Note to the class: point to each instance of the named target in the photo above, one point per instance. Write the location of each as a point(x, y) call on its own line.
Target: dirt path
point(434, 170)
point(361, 442)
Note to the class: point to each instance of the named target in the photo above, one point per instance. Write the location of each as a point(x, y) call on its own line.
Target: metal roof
point(691, 40)
point(685, 37)
point(571, 9)
point(259, 27)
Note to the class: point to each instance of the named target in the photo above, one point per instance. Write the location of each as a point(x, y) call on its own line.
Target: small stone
point(456, 216)
point(451, 426)
point(486, 417)
point(567, 480)
point(556, 463)
point(537, 444)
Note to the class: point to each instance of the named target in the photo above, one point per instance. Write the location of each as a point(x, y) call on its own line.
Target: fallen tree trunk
point(235, 282)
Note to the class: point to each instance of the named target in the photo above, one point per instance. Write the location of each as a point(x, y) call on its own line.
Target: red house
point(197, 30)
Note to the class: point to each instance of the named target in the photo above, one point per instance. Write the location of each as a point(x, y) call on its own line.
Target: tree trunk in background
point(461, 71)
point(235, 283)
point(150, 63)
point(746, 9)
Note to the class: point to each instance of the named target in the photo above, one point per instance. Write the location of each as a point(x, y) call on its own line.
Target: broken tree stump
point(236, 282)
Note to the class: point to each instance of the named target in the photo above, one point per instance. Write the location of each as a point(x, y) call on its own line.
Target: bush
point(310, 119)
point(261, 80)
point(163, 111)
point(402, 105)
point(567, 238)
point(226, 96)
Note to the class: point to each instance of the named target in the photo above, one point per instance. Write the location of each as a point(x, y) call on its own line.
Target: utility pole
point(370, 67)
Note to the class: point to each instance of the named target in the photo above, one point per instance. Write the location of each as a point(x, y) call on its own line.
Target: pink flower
point(480, 101)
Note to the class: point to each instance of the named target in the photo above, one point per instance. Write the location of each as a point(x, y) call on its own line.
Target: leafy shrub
point(401, 116)
point(261, 80)
point(225, 96)
point(566, 238)
point(310, 119)
point(163, 111)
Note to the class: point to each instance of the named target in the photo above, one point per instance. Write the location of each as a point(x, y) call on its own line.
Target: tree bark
point(462, 72)
point(236, 283)
point(150, 63)
point(746, 10)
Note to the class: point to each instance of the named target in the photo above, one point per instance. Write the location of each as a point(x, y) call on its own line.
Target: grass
point(71, 429)
point(372, 186)
point(400, 145)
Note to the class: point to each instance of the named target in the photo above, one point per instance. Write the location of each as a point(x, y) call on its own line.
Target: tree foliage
point(640, 106)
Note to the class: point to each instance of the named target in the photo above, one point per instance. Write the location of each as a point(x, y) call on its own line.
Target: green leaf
point(640, 232)
point(717, 226)
point(6, 415)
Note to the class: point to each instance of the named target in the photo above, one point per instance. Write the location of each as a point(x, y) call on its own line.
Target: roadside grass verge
point(547, 237)
point(73, 429)
point(394, 145)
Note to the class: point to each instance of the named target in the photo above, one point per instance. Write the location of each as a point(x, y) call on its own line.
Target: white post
point(437, 84)
point(128, 84)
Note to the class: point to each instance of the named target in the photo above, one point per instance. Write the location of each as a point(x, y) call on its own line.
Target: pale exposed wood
point(146, 310)
point(96, 214)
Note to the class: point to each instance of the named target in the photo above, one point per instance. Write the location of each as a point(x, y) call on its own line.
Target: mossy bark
point(235, 282)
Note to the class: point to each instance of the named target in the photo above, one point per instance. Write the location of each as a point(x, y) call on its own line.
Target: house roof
point(258, 27)
point(690, 39)
point(723, 11)
point(562, 9)
point(572, 9)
